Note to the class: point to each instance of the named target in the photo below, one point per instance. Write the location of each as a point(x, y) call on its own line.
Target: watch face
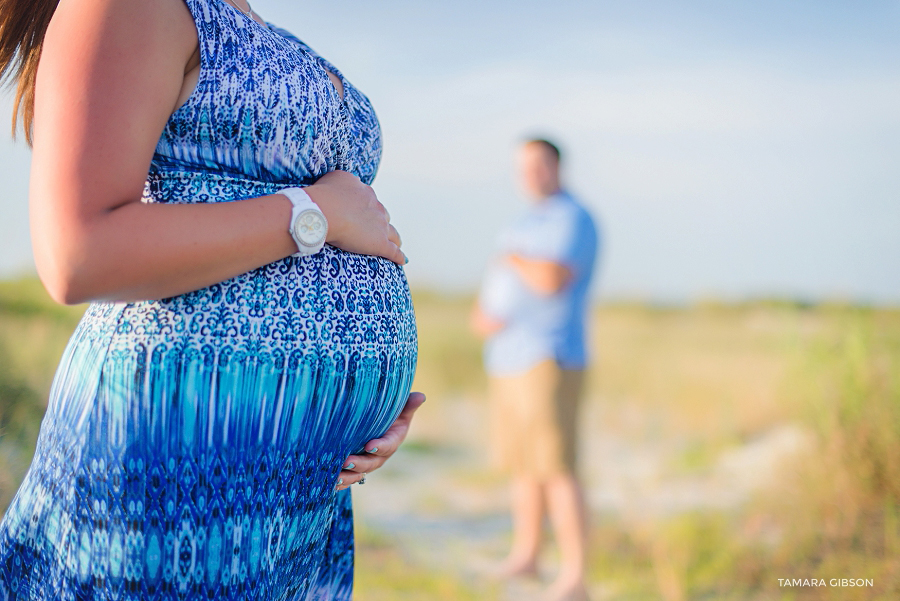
point(310, 228)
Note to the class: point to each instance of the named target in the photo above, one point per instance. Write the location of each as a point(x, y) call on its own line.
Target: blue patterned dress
point(192, 445)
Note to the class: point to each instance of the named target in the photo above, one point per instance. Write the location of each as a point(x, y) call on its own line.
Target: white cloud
point(717, 167)
point(735, 156)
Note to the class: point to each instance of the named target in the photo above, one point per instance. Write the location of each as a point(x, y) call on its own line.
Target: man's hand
point(482, 324)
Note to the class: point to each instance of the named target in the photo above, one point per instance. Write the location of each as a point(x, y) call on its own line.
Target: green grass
point(704, 379)
point(713, 377)
point(384, 573)
point(33, 333)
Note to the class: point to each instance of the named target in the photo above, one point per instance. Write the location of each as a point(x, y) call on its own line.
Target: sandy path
point(447, 511)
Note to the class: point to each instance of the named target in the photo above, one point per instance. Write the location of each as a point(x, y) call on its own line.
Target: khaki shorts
point(534, 419)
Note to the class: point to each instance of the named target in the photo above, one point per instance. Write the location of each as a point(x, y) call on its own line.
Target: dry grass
point(711, 387)
point(726, 446)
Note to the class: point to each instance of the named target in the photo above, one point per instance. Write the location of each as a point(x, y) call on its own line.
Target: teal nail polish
point(349, 466)
point(406, 262)
point(375, 450)
point(340, 481)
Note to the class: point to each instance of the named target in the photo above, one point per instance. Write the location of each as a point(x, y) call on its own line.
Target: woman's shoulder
point(163, 20)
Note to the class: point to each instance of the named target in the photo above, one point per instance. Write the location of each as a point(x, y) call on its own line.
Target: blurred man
point(532, 310)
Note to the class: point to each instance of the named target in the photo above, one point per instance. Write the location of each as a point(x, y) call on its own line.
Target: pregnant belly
point(313, 353)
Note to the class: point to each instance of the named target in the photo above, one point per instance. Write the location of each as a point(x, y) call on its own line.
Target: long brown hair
point(23, 24)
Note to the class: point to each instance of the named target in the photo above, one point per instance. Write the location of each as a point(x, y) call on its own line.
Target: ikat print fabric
point(192, 445)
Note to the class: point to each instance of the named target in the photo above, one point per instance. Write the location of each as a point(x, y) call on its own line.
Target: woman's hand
point(380, 450)
point(357, 222)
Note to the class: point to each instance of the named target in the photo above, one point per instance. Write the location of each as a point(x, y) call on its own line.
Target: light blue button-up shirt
point(536, 326)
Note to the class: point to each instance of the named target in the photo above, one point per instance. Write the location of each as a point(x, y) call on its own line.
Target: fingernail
point(406, 259)
point(375, 450)
point(340, 481)
point(349, 466)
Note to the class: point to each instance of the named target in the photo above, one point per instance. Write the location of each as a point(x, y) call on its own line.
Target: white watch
point(308, 224)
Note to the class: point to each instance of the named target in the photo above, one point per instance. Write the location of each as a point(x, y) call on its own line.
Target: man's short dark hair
point(547, 144)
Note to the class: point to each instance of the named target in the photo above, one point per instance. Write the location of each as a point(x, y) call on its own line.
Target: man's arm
point(483, 324)
point(541, 275)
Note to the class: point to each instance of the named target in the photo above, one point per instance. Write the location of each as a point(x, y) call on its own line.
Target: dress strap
point(217, 24)
point(204, 13)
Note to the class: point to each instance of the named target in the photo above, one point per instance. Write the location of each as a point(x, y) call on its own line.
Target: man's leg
point(527, 515)
point(565, 502)
point(520, 408)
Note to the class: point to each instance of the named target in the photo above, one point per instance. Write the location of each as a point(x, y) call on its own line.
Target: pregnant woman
point(233, 373)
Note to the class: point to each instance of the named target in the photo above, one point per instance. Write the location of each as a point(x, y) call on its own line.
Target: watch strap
point(301, 203)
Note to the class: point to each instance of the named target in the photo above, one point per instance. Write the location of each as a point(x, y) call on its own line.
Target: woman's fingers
point(370, 460)
point(413, 402)
point(346, 479)
point(396, 255)
point(362, 465)
point(394, 236)
point(357, 221)
point(394, 242)
point(388, 444)
point(399, 429)
point(379, 450)
point(357, 466)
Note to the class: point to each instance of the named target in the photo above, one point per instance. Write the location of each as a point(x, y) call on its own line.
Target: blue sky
point(729, 149)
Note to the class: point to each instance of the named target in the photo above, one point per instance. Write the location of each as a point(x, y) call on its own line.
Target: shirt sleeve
point(560, 237)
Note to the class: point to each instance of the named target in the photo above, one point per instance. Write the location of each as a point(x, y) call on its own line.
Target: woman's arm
point(110, 76)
